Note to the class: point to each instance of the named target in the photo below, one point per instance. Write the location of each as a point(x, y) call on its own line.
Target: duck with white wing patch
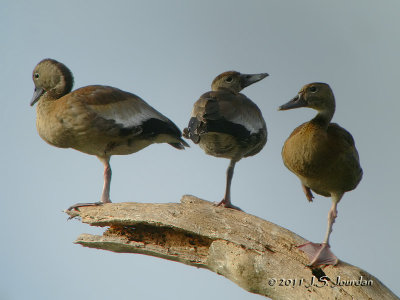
point(96, 119)
point(225, 123)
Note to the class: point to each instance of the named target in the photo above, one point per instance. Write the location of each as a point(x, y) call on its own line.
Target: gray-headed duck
point(225, 123)
point(97, 120)
point(324, 157)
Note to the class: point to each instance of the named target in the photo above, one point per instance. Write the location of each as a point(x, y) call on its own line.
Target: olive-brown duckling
point(324, 157)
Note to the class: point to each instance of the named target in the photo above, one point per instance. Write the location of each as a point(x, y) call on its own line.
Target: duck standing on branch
point(96, 119)
point(225, 123)
point(324, 157)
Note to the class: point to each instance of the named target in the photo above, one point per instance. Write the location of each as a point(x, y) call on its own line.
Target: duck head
point(235, 81)
point(51, 77)
point(317, 95)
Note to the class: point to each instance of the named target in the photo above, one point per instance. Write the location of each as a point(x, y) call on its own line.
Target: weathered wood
point(258, 255)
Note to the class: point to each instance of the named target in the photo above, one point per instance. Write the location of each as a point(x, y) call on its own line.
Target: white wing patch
point(127, 119)
point(250, 121)
point(129, 114)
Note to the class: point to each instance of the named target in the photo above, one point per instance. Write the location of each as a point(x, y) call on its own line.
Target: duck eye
point(229, 79)
point(312, 89)
point(36, 75)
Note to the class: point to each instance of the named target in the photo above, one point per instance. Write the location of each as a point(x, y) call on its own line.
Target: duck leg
point(105, 196)
point(226, 202)
point(308, 193)
point(321, 254)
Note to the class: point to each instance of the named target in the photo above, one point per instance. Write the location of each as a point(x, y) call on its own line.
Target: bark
point(257, 255)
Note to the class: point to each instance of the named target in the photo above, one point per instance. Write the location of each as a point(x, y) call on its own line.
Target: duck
point(324, 157)
point(97, 120)
point(225, 123)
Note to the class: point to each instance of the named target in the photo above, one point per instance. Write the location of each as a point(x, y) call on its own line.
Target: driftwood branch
point(259, 256)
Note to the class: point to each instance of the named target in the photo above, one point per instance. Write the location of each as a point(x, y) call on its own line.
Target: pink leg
point(308, 193)
point(331, 219)
point(320, 254)
point(105, 197)
point(226, 202)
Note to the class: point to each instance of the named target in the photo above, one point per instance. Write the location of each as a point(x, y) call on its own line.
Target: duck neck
point(45, 103)
point(324, 117)
point(225, 90)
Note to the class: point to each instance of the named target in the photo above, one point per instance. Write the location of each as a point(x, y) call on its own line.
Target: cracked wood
point(242, 247)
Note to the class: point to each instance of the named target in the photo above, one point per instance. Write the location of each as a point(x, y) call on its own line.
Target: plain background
point(168, 52)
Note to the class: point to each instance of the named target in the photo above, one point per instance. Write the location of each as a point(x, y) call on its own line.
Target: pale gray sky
point(168, 52)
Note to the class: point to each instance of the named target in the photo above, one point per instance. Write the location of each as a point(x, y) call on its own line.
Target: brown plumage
point(225, 123)
point(324, 157)
point(97, 120)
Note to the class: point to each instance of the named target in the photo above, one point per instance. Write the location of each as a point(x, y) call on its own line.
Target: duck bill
point(248, 79)
point(296, 102)
point(36, 95)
